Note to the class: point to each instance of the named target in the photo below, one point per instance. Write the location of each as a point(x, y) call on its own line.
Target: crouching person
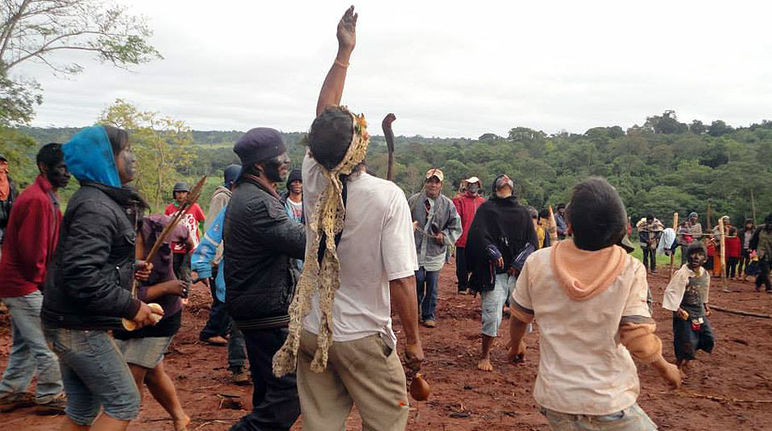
point(589, 298)
point(88, 284)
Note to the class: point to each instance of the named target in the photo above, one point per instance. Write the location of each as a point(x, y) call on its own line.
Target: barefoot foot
point(485, 365)
point(182, 423)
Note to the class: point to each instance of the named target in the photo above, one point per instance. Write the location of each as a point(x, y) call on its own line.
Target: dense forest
point(660, 167)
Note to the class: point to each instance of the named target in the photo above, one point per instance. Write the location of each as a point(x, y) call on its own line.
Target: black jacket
point(501, 228)
point(88, 284)
point(260, 241)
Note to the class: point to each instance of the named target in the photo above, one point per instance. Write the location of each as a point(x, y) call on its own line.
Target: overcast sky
point(446, 69)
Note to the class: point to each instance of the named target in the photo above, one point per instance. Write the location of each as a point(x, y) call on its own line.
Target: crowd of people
point(304, 283)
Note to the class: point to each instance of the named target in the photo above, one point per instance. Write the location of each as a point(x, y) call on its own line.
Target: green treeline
point(660, 167)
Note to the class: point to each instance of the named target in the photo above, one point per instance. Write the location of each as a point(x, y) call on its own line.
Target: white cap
point(472, 180)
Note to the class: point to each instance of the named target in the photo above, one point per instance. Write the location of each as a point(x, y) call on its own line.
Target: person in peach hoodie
point(589, 298)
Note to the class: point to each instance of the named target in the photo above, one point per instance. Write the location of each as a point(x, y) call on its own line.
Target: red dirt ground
point(734, 376)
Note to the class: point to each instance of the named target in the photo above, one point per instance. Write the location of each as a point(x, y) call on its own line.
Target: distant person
point(218, 325)
point(687, 297)
point(33, 232)
point(746, 234)
point(88, 285)
point(500, 239)
point(762, 243)
point(437, 226)
point(467, 202)
point(144, 348)
point(560, 221)
point(7, 195)
point(544, 227)
point(690, 231)
point(733, 252)
point(292, 199)
point(194, 219)
point(589, 298)
point(649, 232)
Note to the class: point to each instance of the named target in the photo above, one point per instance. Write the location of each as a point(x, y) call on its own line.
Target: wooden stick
point(553, 227)
point(753, 207)
point(388, 134)
point(740, 312)
point(723, 253)
point(689, 394)
point(672, 254)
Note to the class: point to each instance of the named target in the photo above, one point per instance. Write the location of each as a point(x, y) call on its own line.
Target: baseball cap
point(434, 172)
point(472, 180)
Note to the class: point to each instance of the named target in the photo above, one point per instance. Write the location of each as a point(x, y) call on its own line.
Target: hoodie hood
point(584, 274)
point(231, 174)
point(89, 157)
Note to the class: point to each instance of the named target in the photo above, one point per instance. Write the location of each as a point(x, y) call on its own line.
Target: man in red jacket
point(466, 206)
point(30, 241)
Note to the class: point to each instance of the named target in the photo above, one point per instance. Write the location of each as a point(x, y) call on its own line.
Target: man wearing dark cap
point(260, 244)
point(7, 195)
point(217, 327)
point(194, 220)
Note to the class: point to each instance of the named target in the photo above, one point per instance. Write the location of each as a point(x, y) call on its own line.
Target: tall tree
point(34, 30)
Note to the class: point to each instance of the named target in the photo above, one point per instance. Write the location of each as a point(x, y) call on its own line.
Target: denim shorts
point(146, 352)
point(94, 374)
point(632, 418)
point(493, 303)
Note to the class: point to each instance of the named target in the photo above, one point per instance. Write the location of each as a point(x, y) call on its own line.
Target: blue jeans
point(95, 375)
point(29, 352)
point(493, 303)
point(426, 288)
point(275, 402)
point(632, 418)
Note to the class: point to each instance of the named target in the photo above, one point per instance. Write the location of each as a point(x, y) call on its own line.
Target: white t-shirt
point(583, 367)
point(376, 246)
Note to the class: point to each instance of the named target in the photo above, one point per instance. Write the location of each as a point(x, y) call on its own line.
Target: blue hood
point(89, 157)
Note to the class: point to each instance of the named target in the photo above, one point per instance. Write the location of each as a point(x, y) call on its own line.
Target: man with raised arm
point(360, 258)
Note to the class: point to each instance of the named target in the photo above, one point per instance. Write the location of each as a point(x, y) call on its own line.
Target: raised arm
point(332, 89)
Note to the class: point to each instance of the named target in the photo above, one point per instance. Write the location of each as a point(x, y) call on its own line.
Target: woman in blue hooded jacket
point(88, 287)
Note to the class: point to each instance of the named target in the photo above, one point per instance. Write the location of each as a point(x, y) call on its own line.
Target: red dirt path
point(463, 398)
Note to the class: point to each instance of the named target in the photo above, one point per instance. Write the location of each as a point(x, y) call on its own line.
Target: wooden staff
point(672, 254)
point(553, 227)
point(723, 253)
point(191, 199)
point(753, 207)
point(389, 135)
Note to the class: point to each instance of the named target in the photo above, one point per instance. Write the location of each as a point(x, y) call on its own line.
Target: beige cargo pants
point(365, 372)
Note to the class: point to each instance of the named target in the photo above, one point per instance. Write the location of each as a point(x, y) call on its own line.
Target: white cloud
point(445, 68)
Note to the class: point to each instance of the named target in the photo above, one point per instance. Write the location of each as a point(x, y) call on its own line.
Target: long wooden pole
point(672, 254)
point(553, 228)
point(723, 254)
point(753, 207)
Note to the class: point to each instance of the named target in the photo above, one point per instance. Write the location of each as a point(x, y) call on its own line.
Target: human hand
point(147, 315)
point(414, 356)
point(143, 270)
point(683, 314)
point(347, 26)
point(499, 262)
point(513, 272)
point(439, 238)
point(669, 372)
point(708, 312)
point(176, 287)
point(516, 354)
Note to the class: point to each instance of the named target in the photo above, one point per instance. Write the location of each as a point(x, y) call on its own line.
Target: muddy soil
point(722, 391)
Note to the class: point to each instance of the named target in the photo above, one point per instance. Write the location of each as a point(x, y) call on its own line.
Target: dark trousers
point(426, 289)
point(731, 267)
point(275, 403)
point(219, 322)
point(181, 266)
point(237, 349)
point(462, 273)
point(649, 258)
point(745, 260)
point(763, 277)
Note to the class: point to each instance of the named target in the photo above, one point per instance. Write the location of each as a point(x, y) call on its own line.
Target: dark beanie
point(295, 175)
point(258, 145)
point(231, 174)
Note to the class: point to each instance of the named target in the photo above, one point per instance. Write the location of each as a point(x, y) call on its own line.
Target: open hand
point(347, 30)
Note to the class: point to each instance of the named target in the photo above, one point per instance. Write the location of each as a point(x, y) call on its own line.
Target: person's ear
point(43, 169)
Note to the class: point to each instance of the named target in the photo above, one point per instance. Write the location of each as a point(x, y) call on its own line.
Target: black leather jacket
point(260, 241)
point(88, 284)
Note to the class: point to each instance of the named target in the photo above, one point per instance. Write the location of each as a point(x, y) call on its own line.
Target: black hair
point(330, 136)
point(649, 216)
point(560, 206)
point(545, 214)
point(696, 247)
point(532, 211)
point(119, 138)
point(50, 155)
point(596, 214)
